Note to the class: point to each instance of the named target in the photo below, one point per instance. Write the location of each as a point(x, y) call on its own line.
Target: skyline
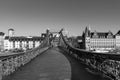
point(29, 17)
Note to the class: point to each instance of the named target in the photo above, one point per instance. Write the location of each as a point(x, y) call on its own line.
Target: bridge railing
point(10, 63)
point(109, 64)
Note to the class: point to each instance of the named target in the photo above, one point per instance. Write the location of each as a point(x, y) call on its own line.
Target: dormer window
point(95, 35)
point(109, 34)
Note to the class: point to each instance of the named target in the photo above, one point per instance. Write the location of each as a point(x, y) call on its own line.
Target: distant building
point(117, 36)
point(80, 42)
point(2, 35)
point(100, 40)
point(73, 41)
point(21, 42)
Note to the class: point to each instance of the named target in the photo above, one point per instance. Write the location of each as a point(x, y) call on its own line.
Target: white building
point(118, 39)
point(101, 40)
point(21, 42)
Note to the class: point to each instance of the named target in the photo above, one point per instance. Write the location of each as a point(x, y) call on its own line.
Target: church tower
point(11, 32)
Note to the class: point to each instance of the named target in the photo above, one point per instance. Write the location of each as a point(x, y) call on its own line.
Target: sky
point(33, 17)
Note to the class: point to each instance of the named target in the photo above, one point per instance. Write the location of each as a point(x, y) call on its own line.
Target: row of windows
point(101, 37)
point(24, 45)
point(102, 46)
point(102, 40)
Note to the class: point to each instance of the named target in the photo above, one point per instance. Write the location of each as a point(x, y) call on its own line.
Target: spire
point(87, 31)
point(89, 28)
point(83, 34)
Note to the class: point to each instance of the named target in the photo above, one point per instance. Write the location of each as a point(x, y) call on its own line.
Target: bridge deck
point(53, 65)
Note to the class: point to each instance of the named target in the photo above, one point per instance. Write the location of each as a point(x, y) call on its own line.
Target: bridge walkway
point(53, 64)
point(50, 65)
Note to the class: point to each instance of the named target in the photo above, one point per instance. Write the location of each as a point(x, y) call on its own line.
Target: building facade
point(21, 42)
point(101, 40)
point(118, 39)
point(2, 35)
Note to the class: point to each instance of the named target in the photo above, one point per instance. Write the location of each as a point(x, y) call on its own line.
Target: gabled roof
point(102, 34)
point(118, 33)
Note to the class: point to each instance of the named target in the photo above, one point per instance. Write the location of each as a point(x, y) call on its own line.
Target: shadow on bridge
point(79, 70)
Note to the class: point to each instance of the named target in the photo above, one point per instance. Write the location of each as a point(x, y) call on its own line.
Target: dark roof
point(2, 33)
point(102, 34)
point(79, 37)
point(11, 29)
point(23, 38)
point(118, 33)
point(6, 37)
point(43, 34)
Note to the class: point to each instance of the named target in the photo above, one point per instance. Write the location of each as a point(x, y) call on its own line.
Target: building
point(80, 42)
point(73, 41)
point(21, 42)
point(100, 40)
point(117, 36)
point(2, 35)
